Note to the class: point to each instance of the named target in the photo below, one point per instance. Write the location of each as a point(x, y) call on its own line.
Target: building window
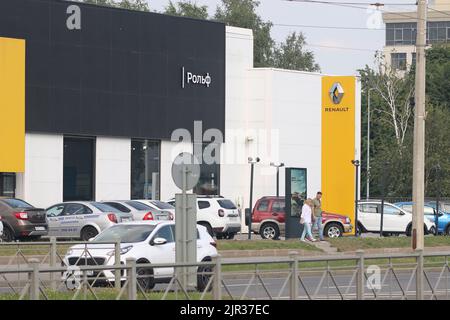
point(406, 33)
point(7, 185)
point(413, 61)
point(398, 61)
point(209, 182)
point(79, 169)
point(145, 168)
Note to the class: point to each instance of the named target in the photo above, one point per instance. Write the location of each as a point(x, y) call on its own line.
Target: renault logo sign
point(336, 93)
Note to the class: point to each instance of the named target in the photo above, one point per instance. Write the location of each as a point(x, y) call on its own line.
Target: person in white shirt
point(306, 219)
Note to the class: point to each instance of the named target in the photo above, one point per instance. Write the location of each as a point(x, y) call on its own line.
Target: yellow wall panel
point(338, 145)
point(12, 105)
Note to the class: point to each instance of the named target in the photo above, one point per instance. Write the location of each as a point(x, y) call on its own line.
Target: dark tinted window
point(203, 204)
point(104, 207)
point(145, 155)
point(118, 206)
point(162, 205)
point(226, 204)
point(137, 205)
point(278, 206)
point(76, 208)
point(126, 233)
point(263, 205)
point(16, 203)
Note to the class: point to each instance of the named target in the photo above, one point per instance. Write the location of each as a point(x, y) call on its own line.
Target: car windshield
point(126, 233)
point(16, 203)
point(103, 207)
point(162, 205)
point(138, 205)
point(226, 204)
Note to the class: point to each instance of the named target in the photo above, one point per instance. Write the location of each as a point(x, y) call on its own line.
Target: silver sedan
point(139, 210)
point(82, 219)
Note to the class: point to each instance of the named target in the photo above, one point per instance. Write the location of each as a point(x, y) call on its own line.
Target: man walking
point(317, 210)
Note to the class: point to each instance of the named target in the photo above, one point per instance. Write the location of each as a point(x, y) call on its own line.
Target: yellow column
point(12, 105)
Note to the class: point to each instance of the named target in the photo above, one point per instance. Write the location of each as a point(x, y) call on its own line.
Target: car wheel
point(270, 231)
point(204, 274)
point(230, 236)
point(220, 236)
point(208, 228)
point(359, 229)
point(8, 235)
point(333, 230)
point(88, 233)
point(145, 278)
point(409, 230)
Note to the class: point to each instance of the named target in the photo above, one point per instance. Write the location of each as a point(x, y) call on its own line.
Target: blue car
point(429, 211)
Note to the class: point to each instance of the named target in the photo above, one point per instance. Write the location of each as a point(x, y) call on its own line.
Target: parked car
point(219, 215)
point(395, 220)
point(147, 242)
point(1, 228)
point(139, 210)
point(268, 220)
point(429, 212)
point(20, 220)
point(159, 205)
point(82, 219)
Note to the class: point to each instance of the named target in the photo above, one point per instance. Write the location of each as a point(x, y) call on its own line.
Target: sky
point(338, 51)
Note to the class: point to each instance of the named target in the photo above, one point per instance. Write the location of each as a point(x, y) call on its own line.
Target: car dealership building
point(92, 101)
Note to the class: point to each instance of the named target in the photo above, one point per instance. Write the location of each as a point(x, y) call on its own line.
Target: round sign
point(186, 165)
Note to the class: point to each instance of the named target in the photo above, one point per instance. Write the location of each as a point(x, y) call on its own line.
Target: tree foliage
point(391, 160)
point(242, 13)
point(187, 9)
point(292, 55)
point(140, 5)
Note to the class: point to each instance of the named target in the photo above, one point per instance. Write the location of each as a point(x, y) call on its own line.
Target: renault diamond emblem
point(336, 93)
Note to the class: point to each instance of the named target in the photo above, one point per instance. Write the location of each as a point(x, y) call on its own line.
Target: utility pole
point(368, 145)
point(419, 130)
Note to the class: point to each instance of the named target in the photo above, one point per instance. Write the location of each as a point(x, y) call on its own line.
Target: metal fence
point(360, 276)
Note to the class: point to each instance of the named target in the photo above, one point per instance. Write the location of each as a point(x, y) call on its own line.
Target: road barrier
point(359, 276)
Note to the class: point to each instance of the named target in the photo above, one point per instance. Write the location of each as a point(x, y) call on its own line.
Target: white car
point(158, 205)
point(395, 219)
point(140, 210)
point(1, 228)
point(82, 219)
point(147, 242)
point(219, 215)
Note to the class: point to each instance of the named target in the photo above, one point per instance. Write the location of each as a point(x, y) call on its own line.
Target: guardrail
point(359, 276)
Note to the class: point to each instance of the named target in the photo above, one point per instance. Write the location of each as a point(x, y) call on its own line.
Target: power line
point(340, 48)
point(325, 27)
point(443, 12)
point(378, 4)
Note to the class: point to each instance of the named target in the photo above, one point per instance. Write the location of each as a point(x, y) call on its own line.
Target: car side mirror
point(158, 241)
point(401, 213)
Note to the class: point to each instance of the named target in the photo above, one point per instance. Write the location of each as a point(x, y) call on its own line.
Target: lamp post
point(252, 166)
point(278, 166)
point(437, 169)
point(368, 145)
point(356, 163)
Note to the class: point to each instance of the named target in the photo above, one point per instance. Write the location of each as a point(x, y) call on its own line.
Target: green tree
point(292, 55)
point(140, 5)
point(242, 13)
point(187, 9)
point(438, 75)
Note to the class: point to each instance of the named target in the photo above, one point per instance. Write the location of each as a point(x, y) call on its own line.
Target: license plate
point(90, 273)
point(126, 220)
point(39, 228)
point(234, 218)
point(163, 218)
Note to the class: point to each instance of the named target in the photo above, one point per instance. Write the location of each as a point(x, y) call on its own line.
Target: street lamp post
point(278, 166)
point(437, 169)
point(368, 145)
point(356, 163)
point(252, 166)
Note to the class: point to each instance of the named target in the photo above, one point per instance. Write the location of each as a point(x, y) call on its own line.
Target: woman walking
point(306, 220)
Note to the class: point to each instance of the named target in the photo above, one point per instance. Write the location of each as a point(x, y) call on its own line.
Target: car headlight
point(69, 252)
point(122, 251)
point(348, 220)
point(431, 219)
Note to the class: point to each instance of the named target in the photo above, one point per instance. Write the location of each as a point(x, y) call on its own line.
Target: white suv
point(219, 215)
point(395, 220)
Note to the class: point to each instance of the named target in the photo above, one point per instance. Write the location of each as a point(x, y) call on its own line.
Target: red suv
point(268, 220)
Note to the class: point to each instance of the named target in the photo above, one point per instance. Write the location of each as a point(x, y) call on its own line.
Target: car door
point(277, 210)
point(54, 215)
point(74, 218)
point(369, 216)
point(394, 219)
point(204, 212)
point(263, 211)
point(163, 253)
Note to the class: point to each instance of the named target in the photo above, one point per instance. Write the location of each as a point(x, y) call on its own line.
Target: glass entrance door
point(7, 184)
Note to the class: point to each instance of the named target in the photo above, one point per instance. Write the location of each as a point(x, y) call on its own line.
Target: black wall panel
point(120, 75)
